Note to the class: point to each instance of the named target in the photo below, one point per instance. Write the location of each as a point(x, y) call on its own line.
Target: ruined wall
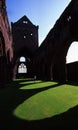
point(6, 52)
point(50, 59)
point(25, 42)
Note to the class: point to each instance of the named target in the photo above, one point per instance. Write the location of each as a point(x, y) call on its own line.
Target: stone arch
point(72, 54)
point(25, 53)
point(22, 67)
point(72, 64)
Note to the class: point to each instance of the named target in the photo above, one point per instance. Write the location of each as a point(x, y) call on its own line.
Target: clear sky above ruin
point(43, 13)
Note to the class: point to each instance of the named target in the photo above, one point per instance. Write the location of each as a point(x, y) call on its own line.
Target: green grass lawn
point(38, 104)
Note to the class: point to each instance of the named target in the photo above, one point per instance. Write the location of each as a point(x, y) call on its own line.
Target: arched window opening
point(22, 68)
point(31, 34)
point(24, 36)
point(72, 54)
point(22, 59)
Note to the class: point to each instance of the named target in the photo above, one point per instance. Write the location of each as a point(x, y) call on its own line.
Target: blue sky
point(40, 12)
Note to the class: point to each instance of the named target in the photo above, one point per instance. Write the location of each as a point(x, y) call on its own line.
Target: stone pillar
point(59, 71)
point(3, 70)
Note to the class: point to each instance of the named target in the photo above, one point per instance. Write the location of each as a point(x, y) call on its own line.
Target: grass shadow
point(17, 96)
point(64, 121)
point(72, 83)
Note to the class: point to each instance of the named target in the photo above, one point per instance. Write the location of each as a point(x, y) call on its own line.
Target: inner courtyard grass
point(47, 102)
point(37, 100)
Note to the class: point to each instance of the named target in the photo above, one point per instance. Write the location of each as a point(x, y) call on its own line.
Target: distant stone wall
point(25, 43)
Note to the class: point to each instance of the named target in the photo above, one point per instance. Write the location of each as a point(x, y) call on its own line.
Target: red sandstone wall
point(6, 41)
point(5, 29)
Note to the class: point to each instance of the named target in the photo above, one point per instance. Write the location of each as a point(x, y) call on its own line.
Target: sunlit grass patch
point(47, 102)
point(36, 84)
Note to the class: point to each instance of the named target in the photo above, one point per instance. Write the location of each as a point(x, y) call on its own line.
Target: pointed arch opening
point(72, 62)
point(22, 59)
point(72, 55)
point(22, 68)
